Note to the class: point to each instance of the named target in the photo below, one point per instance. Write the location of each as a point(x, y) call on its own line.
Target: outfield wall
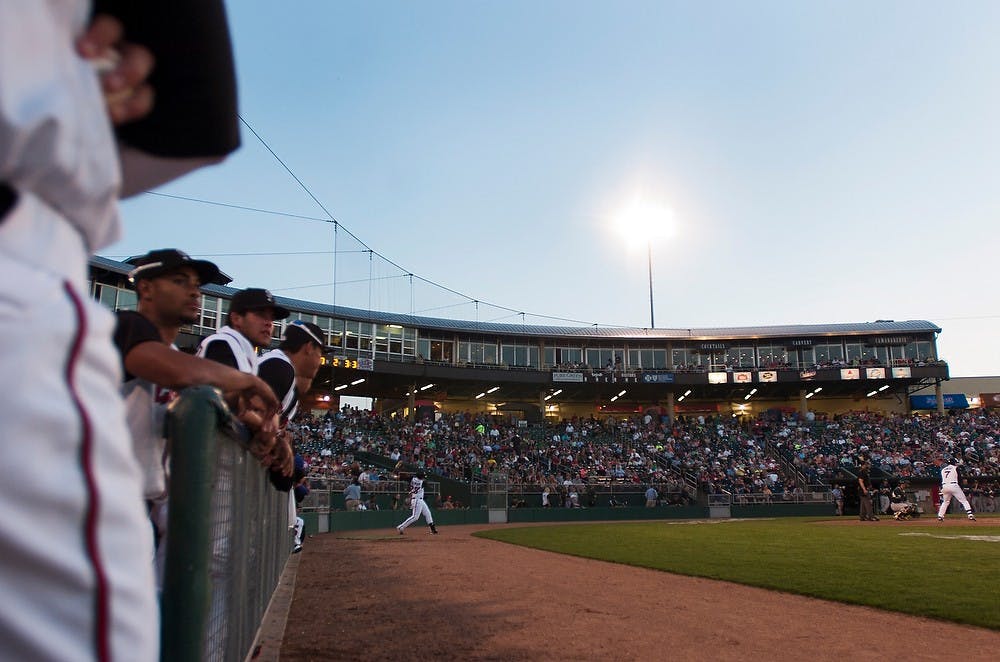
point(320, 522)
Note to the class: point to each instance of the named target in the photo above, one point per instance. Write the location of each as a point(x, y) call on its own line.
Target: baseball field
point(946, 571)
point(782, 589)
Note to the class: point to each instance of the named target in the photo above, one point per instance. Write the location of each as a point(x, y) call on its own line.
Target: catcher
point(900, 505)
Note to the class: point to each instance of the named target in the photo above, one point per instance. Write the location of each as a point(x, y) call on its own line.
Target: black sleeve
point(279, 375)
point(194, 80)
point(220, 352)
point(8, 197)
point(133, 329)
point(279, 482)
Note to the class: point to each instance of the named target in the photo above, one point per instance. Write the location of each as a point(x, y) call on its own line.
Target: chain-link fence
point(228, 535)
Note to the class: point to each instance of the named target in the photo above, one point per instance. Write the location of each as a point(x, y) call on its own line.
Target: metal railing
point(604, 494)
point(765, 499)
point(326, 493)
point(227, 534)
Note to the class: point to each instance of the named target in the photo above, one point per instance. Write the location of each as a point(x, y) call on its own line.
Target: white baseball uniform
point(417, 505)
point(84, 590)
point(244, 354)
point(950, 488)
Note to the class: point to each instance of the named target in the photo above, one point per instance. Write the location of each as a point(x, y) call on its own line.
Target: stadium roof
point(879, 327)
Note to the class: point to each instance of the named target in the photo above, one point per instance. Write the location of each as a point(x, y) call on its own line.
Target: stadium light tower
point(643, 221)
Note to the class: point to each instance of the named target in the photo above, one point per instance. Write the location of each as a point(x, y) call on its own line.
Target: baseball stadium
point(691, 488)
point(353, 461)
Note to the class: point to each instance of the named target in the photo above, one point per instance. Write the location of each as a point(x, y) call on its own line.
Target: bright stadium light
point(640, 223)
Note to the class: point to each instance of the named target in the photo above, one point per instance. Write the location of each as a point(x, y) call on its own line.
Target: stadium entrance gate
point(496, 498)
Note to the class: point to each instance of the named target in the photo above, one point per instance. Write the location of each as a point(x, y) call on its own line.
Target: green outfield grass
point(942, 572)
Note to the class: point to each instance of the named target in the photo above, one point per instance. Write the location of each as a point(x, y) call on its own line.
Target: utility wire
point(232, 206)
point(338, 226)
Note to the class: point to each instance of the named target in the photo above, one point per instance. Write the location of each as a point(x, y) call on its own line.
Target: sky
point(815, 162)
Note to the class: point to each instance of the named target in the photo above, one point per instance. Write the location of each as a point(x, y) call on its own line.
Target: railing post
point(192, 425)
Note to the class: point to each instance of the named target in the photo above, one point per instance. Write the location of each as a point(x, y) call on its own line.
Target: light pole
point(649, 261)
point(646, 221)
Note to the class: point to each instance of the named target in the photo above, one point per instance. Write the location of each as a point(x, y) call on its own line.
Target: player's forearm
point(157, 363)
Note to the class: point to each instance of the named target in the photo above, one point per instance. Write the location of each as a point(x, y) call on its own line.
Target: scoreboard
point(349, 363)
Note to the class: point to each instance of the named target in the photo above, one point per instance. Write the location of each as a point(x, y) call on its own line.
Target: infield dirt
point(376, 595)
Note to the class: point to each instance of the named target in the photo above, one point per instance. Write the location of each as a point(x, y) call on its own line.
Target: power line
point(338, 225)
point(255, 254)
point(242, 207)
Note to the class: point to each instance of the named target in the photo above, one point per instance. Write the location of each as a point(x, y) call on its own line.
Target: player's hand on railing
point(282, 457)
point(123, 67)
point(261, 395)
point(264, 441)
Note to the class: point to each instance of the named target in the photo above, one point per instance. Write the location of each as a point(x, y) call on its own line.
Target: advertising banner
point(850, 373)
point(990, 399)
point(951, 401)
point(717, 378)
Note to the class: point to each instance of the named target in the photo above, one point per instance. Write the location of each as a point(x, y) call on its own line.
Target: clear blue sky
point(825, 162)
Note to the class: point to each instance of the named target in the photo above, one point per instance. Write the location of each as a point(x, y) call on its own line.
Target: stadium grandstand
point(414, 365)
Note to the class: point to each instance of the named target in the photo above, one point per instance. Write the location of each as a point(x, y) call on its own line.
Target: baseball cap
point(300, 330)
point(255, 298)
point(161, 261)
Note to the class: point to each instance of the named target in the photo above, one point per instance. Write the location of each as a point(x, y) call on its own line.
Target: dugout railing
point(228, 535)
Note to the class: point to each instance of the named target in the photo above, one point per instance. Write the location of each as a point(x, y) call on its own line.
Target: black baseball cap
point(308, 331)
point(255, 298)
point(161, 261)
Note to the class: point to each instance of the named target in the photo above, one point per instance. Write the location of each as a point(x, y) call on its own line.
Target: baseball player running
point(419, 507)
point(950, 488)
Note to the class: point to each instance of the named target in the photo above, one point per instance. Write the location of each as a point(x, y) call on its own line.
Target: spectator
point(838, 499)
point(352, 495)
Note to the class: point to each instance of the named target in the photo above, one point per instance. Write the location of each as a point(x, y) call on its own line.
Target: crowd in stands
point(777, 456)
point(899, 445)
